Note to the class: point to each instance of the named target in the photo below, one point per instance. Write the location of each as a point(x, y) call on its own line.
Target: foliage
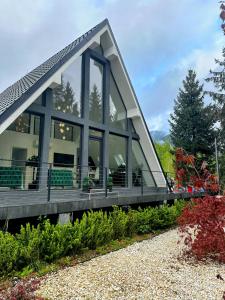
point(202, 224)
point(192, 123)
point(118, 219)
point(151, 219)
point(33, 247)
point(64, 98)
point(87, 184)
point(9, 252)
point(109, 183)
point(187, 173)
point(96, 229)
point(21, 291)
point(95, 100)
point(166, 156)
point(222, 15)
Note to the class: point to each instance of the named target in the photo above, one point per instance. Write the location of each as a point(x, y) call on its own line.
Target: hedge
point(47, 242)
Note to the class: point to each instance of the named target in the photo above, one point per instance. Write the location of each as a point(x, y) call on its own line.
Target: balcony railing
point(48, 177)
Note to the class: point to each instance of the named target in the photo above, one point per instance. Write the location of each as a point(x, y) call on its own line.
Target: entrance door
point(95, 159)
point(19, 157)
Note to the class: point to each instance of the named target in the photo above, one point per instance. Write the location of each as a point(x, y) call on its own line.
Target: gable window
point(67, 96)
point(21, 124)
point(117, 111)
point(95, 91)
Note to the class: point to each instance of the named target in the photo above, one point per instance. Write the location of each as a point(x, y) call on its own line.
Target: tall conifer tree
point(192, 123)
point(218, 95)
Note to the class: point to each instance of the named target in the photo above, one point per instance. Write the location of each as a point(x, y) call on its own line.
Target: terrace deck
point(20, 204)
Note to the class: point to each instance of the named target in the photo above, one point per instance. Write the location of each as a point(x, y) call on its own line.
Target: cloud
point(159, 40)
point(158, 122)
point(158, 98)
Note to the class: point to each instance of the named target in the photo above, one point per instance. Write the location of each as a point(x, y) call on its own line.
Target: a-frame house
point(71, 124)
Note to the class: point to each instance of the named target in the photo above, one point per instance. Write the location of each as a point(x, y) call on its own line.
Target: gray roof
point(17, 93)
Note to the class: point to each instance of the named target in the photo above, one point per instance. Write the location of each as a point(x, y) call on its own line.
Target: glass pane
point(132, 126)
point(21, 124)
point(95, 161)
point(95, 91)
point(67, 96)
point(117, 111)
point(63, 131)
point(139, 164)
point(19, 155)
point(118, 159)
point(39, 101)
point(36, 124)
point(95, 133)
point(64, 154)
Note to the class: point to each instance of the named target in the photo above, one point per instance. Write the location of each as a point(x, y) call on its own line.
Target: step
point(98, 194)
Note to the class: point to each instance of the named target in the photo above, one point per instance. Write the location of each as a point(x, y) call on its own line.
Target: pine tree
point(218, 96)
point(65, 99)
point(95, 104)
point(192, 123)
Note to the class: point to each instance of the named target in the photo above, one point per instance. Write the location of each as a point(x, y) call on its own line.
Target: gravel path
point(145, 270)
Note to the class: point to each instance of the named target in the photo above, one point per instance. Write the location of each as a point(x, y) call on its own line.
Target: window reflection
point(140, 165)
point(95, 91)
point(118, 159)
point(67, 96)
point(21, 124)
point(117, 111)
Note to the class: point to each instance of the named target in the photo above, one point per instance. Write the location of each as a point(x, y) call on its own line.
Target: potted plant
point(32, 161)
point(87, 184)
point(109, 183)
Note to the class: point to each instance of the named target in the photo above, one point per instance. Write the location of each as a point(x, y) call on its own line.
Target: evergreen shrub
point(33, 246)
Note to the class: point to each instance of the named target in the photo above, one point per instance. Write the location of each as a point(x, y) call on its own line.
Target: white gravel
point(145, 270)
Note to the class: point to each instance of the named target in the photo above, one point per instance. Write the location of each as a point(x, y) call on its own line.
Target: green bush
point(96, 229)
point(33, 246)
point(118, 218)
point(9, 253)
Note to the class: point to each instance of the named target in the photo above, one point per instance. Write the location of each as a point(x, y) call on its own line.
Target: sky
point(159, 41)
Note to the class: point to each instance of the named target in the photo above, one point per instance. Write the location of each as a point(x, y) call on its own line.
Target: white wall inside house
point(12, 139)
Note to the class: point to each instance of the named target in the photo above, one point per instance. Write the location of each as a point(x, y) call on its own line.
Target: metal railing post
point(49, 182)
point(106, 181)
point(142, 185)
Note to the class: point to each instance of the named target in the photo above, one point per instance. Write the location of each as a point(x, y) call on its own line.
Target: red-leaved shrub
point(23, 290)
point(188, 174)
point(202, 226)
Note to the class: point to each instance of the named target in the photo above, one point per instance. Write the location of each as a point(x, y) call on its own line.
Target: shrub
point(202, 224)
point(58, 240)
point(9, 253)
point(21, 291)
point(47, 242)
point(34, 246)
point(95, 229)
point(29, 245)
point(131, 222)
point(118, 218)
